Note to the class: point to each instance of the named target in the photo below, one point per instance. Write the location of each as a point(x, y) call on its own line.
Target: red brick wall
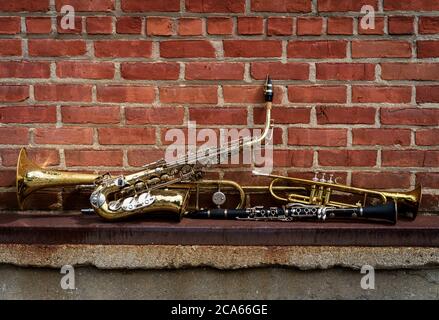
point(362, 103)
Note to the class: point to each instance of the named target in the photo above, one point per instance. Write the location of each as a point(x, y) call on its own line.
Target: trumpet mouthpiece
point(268, 89)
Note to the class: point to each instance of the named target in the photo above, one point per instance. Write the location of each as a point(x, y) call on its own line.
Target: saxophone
point(160, 188)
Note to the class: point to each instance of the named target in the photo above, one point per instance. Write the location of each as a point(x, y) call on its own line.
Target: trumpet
point(321, 192)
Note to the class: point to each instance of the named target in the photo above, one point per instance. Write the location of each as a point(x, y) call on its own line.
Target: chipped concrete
point(207, 283)
point(219, 257)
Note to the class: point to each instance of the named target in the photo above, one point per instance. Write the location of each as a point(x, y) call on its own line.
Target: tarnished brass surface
point(321, 193)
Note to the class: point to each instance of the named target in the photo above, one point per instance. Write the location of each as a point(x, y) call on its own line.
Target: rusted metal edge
point(25, 228)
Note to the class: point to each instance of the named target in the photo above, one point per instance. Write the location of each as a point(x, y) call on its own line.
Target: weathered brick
point(150, 70)
point(214, 71)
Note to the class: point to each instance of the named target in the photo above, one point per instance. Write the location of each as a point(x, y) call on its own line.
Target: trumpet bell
point(30, 177)
point(408, 202)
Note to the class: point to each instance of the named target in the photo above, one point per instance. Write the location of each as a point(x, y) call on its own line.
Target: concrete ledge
point(220, 257)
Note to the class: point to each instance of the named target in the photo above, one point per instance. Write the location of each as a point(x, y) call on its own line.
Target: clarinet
point(386, 213)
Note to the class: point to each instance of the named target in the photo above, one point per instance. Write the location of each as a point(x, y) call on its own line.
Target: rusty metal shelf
point(73, 228)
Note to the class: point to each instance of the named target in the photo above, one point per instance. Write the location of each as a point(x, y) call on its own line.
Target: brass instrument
point(161, 187)
point(320, 191)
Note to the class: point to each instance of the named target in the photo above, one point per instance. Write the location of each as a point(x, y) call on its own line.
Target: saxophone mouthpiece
point(268, 89)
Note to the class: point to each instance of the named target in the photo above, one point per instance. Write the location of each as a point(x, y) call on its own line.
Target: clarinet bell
point(386, 213)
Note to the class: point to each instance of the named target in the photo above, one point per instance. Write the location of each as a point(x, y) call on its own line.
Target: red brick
point(13, 93)
point(10, 25)
point(123, 49)
point(345, 115)
point(95, 115)
point(428, 137)
point(189, 94)
point(187, 49)
point(317, 137)
point(56, 48)
point(86, 5)
point(344, 5)
point(382, 137)
point(246, 178)
point(218, 116)
point(250, 25)
point(281, 5)
point(161, 115)
point(129, 25)
point(410, 71)
point(215, 6)
point(412, 5)
point(220, 25)
point(85, 70)
point(400, 25)
point(427, 94)
point(24, 69)
point(38, 25)
point(409, 158)
point(428, 49)
point(24, 5)
point(428, 180)
point(150, 5)
point(77, 26)
point(25, 114)
point(345, 71)
point(150, 70)
point(283, 115)
point(378, 28)
point(248, 94)
point(190, 27)
point(14, 135)
point(99, 25)
point(68, 135)
point(128, 136)
point(340, 25)
point(7, 178)
point(324, 49)
point(159, 26)
point(280, 26)
point(381, 49)
point(317, 94)
point(280, 71)
point(94, 158)
point(138, 158)
point(292, 158)
point(214, 71)
point(347, 158)
point(63, 92)
point(44, 157)
point(377, 94)
point(10, 47)
point(309, 26)
point(381, 180)
point(252, 48)
point(428, 25)
point(129, 94)
point(410, 116)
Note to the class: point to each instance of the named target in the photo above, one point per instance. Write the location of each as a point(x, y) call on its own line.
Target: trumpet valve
point(330, 178)
point(316, 178)
point(322, 179)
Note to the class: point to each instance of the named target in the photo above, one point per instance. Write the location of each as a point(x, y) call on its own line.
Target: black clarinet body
point(386, 213)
